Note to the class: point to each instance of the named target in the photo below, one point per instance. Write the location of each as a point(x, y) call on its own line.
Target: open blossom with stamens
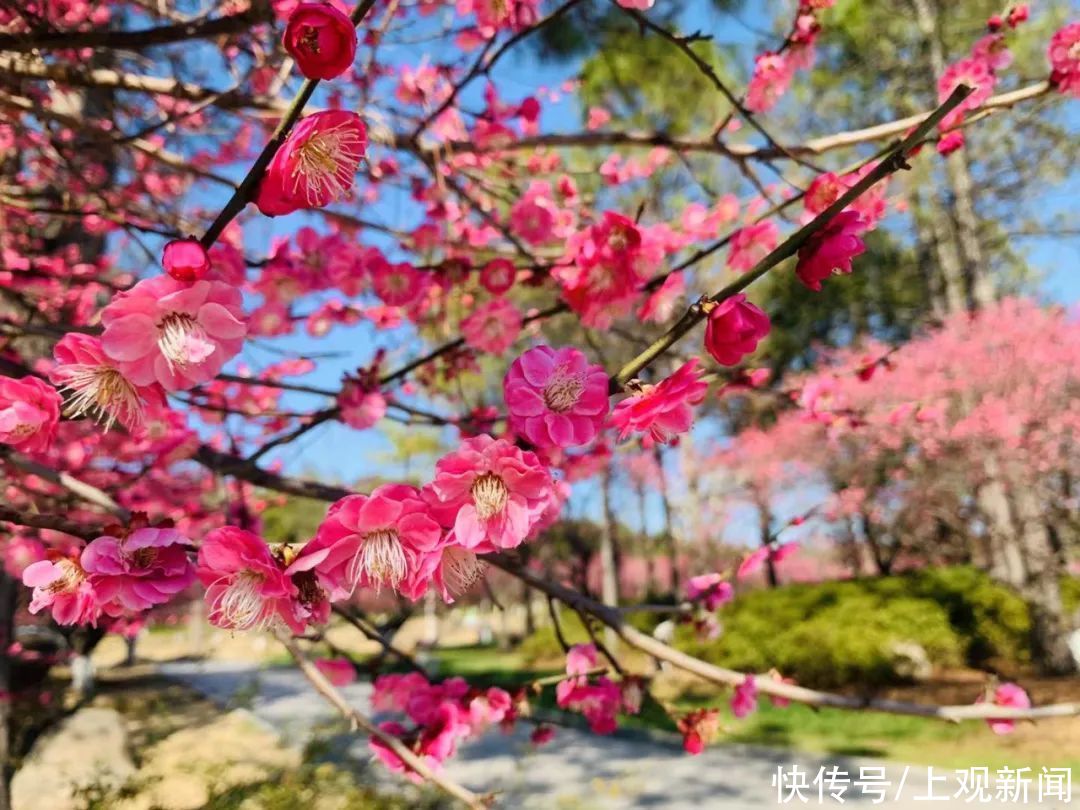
point(316, 164)
point(734, 329)
point(831, 250)
point(385, 539)
point(29, 413)
point(60, 583)
point(321, 39)
point(555, 397)
point(95, 387)
point(179, 335)
point(459, 570)
point(1064, 54)
point(662, 411)
point(147, 567)
point(490, 492)
point(247, 588)
point(492, 327)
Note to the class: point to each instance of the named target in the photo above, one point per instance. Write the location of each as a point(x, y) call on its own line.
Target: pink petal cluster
point(175, 334)
point(757, 558)
point(734, 328)
point(1013, 697)
point(490, 493)
point(61, 584)
point(831, 249)
point(361, 402)
point(751, 244)
point(96, 387)
point(610, 263)
point(555, 397)
point(321, 39)
point(339, 671)
point(442, 715)
point(29, 413)
point(662, 411)
point(147, 567)
point(744, 699)
point(773, 73)
point(698, 728)
point(492, 327)
point(711, 590)
point(316, 164)
point(1064, 55)
point(387, 538)
point(599, 700)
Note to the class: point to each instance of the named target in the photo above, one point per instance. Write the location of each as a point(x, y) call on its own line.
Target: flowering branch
point(234, 23)
point(362, 722)
point(892, 163)
point(612, 617)
point(251, 180)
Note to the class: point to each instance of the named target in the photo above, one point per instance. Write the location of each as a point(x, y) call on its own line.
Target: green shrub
point(827, 635)
point(835, 634)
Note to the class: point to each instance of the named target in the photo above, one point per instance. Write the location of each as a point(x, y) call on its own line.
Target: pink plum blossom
point(247, 588)
point(711, 590)
point(29, 413)
point(339, 671)
point(316, 164)
point(386, 538)
point(698, 728)
point(134, 572)
point(361, 402)
point(175, 334)
point(186, 260)
point(61, 584)
point(490, 493)
point(492, 327)
point(555, 397)
point(321, 39)
point(751, 244)
point(1013, 697)
point(664, 410)
point(97, 388)
point(734, 328)
point(744, 700)
point(830, 250)
point(1064, 55)
point(498, 276)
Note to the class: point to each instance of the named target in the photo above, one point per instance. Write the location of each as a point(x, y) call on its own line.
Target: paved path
point(579, 771)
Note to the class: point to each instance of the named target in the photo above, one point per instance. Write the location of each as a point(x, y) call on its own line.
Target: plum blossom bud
point(186, 260)
point(321, 39)
point(734, 329)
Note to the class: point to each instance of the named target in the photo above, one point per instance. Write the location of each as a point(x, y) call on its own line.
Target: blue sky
point(335, 451)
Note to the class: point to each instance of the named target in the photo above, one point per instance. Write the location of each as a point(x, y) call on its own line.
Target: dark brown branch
point(137, 40)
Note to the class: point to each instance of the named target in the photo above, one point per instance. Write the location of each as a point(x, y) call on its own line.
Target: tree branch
point(361, 722)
